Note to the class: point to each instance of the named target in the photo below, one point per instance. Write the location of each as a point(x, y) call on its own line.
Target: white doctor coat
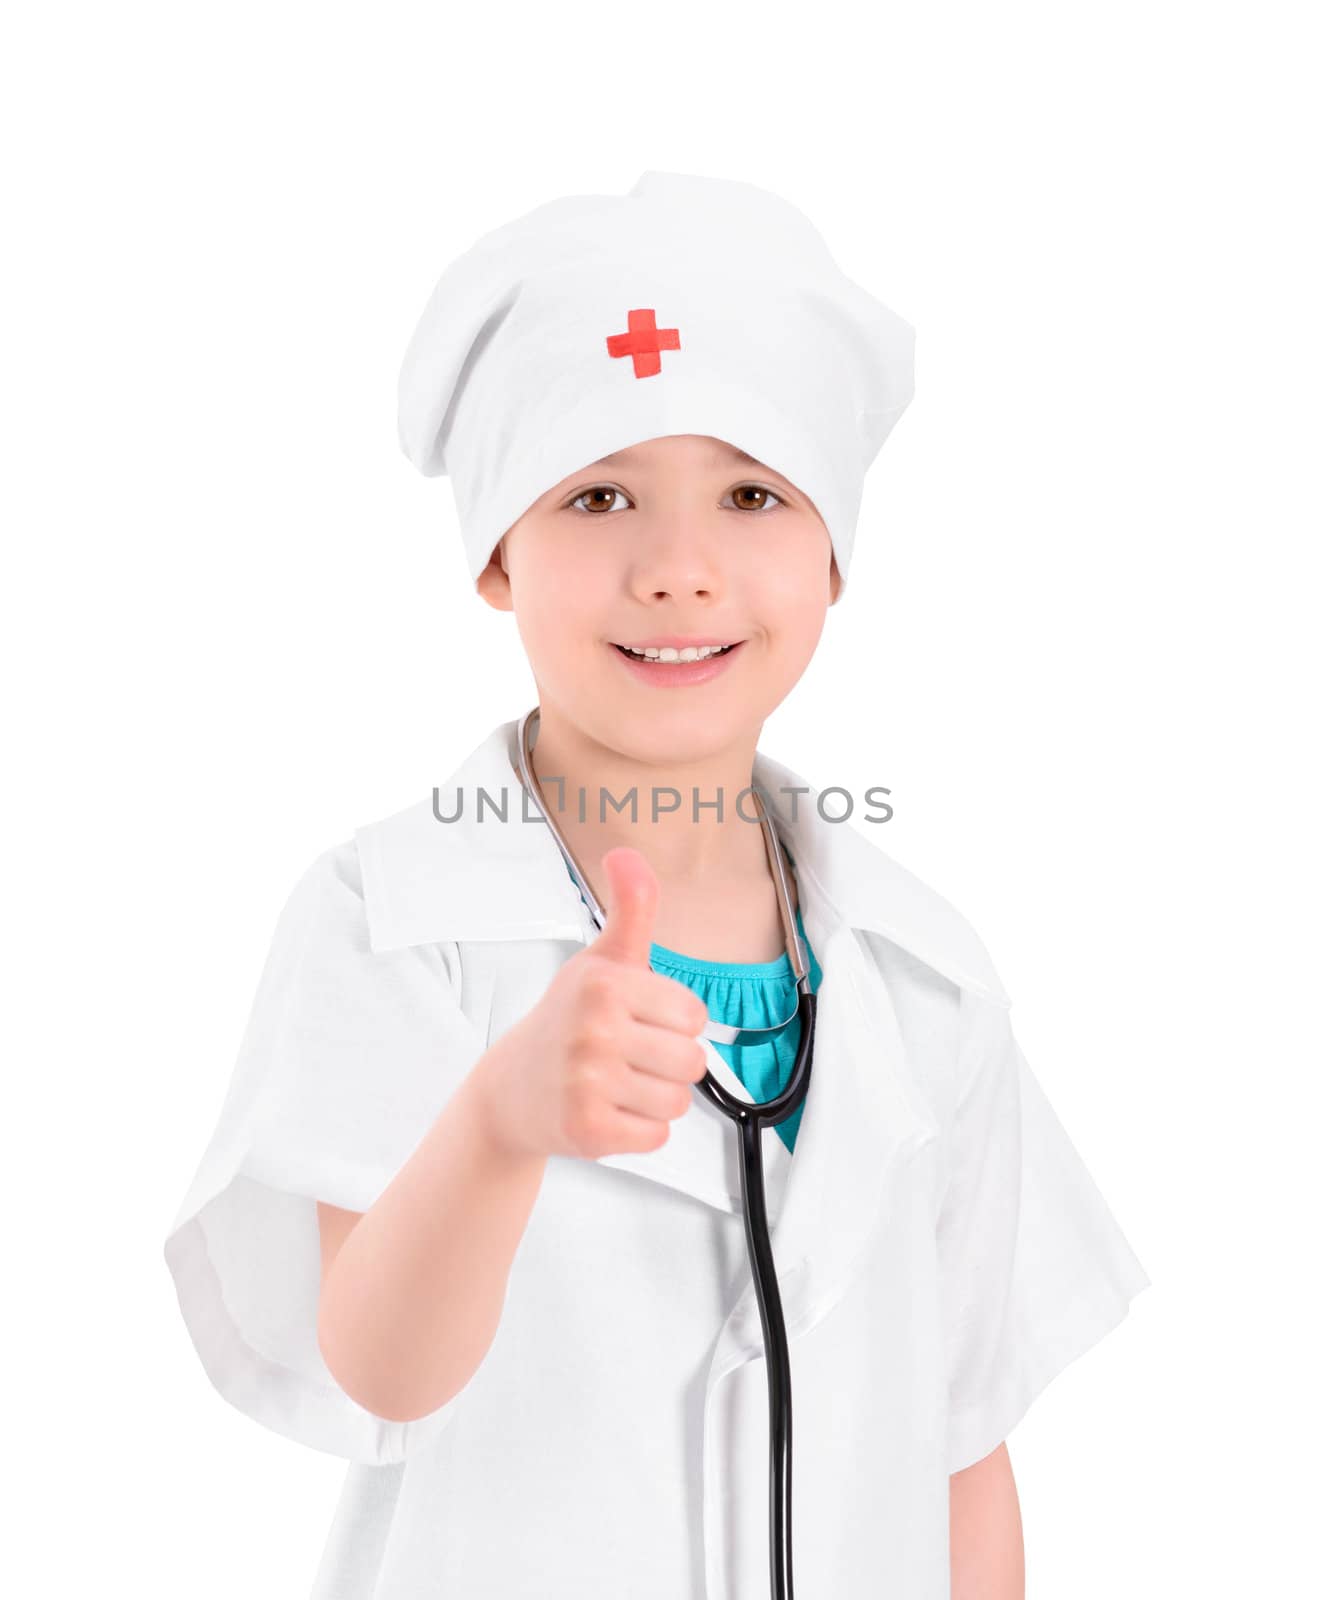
point(942, 1250)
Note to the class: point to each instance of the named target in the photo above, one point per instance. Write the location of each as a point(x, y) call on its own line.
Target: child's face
point(682, 537)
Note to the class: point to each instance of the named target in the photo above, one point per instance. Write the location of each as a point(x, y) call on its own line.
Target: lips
point(677, 673)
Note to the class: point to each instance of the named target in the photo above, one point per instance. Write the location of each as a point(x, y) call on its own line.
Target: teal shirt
point(750, 994)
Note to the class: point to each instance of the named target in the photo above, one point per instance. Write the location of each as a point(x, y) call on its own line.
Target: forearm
point(987, 1545)
point(412, 1300)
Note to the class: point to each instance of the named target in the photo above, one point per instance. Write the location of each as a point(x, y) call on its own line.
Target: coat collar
point(477, 878)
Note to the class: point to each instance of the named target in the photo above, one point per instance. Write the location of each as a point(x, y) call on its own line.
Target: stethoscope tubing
point(750, 1119)
point(750, 1125)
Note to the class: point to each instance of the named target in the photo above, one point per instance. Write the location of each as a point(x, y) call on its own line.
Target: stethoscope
point(751, 1118)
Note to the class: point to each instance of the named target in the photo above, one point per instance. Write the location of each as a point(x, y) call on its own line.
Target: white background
point(1077, 645)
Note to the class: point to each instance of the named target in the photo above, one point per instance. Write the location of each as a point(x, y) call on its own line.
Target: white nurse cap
point(689, 305)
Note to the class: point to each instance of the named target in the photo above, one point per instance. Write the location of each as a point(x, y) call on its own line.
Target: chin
point(682, 735)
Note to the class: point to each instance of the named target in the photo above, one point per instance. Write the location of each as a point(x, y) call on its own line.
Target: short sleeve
point(1033, 1267)
point(348, 1057)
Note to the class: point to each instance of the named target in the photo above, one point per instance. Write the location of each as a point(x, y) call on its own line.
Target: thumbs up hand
point(606, 1059)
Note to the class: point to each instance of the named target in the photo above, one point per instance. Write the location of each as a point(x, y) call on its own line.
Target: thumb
point(633, 902)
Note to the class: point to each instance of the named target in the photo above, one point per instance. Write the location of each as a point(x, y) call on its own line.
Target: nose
point(676, 562)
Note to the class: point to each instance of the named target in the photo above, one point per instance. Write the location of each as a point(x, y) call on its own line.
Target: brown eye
point(601, 497)
point(755, 490)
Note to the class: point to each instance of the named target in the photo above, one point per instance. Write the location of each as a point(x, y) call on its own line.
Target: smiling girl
point(464, 1222)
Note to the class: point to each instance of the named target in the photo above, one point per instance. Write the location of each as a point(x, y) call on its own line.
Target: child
point(464, 1220)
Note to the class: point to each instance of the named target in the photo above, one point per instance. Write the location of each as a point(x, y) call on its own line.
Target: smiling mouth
point(668, 653)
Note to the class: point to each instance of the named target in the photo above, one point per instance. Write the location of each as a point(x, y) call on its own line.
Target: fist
point(606, 1059)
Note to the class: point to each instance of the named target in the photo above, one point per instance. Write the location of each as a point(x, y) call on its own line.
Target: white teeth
point(690, 652)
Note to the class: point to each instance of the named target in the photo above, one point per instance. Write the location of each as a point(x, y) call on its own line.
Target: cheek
point(791, 589)
point(561, 609)
point(796, 553)
point(790, 604)
point(557, 578)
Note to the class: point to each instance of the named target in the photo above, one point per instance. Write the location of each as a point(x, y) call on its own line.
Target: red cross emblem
point(643, 342)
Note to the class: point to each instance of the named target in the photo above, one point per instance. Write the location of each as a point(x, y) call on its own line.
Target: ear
point(834, 581)
point(493, 585)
